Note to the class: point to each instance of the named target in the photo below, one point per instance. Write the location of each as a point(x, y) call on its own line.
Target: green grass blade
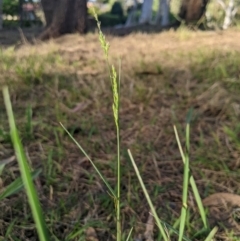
point(179, 144)
point(10, 229)
point(158, 221)
point(14, 238)
point(172, 229)
point(212, 234)
point(199, 202)
point(189, 115)
point(119, 231)
point(25, 172)
point(116, 104)
point(192, 183)
point(129, 234)
point(94, 166)
point(29, 129)
point(17, 185)
point(185, 187)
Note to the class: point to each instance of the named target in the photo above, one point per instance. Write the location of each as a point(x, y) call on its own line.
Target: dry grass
point(163, 75)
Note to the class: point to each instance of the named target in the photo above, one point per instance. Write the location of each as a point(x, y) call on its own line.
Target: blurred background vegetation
point(112, 13)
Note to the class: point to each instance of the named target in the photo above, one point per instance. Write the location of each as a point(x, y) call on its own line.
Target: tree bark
point(82, 18)
point(146, 11)
point(163, 13)
point(192, 10)
point(64, 16)
point(48, 7)
point(165, 9)
point(131, 15)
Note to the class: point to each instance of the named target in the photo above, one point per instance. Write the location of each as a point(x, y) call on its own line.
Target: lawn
point(163, 76)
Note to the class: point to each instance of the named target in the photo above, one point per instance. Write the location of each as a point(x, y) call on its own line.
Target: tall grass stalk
point(25, 172)
point(116, 97)
point(115, 107)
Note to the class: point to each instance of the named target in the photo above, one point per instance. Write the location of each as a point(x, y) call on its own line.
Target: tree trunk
point(165, 9)
point(64, 16)
point(163, 13)
point(20, 12)
point(192, 10)
point(48, 7)
point(1, 17)
point(146, 11)
point(131, 15)
point(159, 13)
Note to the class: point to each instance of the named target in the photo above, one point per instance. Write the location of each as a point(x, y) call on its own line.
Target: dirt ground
point(162, 76)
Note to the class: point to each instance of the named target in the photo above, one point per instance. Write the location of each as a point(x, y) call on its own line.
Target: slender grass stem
point(115, 107)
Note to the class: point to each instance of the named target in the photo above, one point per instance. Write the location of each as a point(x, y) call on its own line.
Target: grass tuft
point(25, 172)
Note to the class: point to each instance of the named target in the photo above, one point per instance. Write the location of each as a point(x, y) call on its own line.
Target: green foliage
point(216, 14)
point(10, 7)
point(16, 185)
point(158, 221)
point(110, 20)
point(25, 172)
point(117, 9)
point(103, 1)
